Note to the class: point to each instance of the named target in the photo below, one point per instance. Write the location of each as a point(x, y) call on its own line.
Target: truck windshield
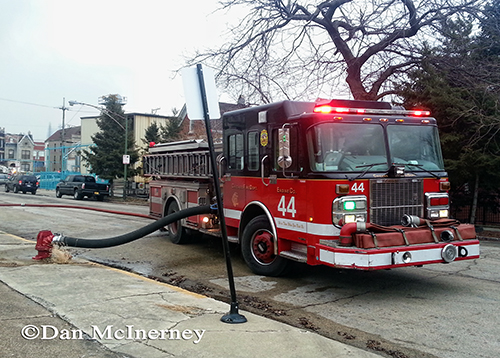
point(416, 146)
point(340, 147)
point(358, 147)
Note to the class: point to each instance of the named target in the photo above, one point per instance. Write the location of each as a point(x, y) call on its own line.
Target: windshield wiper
point(420, 166)
point(368, 167)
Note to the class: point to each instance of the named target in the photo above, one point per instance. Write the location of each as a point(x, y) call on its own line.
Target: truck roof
point(281, 112)
point(183, 145)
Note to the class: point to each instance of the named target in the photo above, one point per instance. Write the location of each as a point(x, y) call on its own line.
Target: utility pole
point(64, 109)
point(125, 162)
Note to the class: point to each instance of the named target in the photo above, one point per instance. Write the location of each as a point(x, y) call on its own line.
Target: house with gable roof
point(18, 152)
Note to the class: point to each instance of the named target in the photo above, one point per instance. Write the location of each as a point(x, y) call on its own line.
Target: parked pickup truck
point(80, 186)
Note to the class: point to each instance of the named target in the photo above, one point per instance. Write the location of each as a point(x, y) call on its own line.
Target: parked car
point(3, 178)
point(22, 182)
point(80, 186)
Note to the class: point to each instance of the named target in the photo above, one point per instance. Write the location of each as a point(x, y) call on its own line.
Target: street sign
point(193, 94)
point(126, 159)
point(202, 103)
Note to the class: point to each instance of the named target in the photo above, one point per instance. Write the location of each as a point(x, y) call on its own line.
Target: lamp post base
point(233, 316)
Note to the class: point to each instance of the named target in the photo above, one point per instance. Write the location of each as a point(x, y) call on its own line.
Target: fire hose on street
point(46, 239)
point(77, 207)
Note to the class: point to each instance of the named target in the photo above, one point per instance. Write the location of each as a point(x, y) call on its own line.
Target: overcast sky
point(81, 50)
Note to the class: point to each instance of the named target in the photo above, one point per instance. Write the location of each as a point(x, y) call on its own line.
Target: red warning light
point(420, 113)
point(323, 109)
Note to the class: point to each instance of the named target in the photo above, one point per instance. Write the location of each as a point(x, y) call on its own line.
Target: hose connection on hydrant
point(44, 245)
point(45, 239)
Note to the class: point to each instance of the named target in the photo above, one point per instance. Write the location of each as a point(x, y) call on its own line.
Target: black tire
point(257, 249)
point(99, 197)
point(33, 192)
point(6, 188)
point(77, 195)
point(176, 233)
point(58, 193)
point(24, 191)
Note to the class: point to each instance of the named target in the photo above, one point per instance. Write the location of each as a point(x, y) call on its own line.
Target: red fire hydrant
point(44, 244)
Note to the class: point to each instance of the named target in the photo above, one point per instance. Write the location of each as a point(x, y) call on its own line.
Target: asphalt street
point(435, 311)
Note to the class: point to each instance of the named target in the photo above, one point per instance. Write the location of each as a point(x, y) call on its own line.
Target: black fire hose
point(134, 235)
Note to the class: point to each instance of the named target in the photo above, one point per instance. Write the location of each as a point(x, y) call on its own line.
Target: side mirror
point(284, 158)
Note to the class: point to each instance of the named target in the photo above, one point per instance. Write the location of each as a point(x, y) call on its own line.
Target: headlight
point(348, 209)
point(437, 205)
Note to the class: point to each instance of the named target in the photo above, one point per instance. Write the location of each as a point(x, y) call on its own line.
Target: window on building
point(11, 154)
point(26, 154)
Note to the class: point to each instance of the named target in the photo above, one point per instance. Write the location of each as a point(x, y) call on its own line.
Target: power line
point(38, 105)
point(31, 104)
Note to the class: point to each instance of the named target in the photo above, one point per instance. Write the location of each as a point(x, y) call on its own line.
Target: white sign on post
point(126, 159)
point(193, 95)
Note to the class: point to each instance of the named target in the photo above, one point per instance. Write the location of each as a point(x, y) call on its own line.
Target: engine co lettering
point(286, 191)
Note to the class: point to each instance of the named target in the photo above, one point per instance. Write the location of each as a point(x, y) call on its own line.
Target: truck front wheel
point(176, 232)
point(257, 248)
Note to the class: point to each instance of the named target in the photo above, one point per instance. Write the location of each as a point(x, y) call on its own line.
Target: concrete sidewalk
point(83, 309)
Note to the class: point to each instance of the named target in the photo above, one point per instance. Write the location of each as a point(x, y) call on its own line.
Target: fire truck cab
point(352, 184)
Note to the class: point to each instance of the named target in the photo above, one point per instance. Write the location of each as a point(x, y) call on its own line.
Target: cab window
point(253, 150)
point(235, 151)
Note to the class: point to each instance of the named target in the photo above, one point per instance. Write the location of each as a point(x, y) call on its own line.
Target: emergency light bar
point(328, 109)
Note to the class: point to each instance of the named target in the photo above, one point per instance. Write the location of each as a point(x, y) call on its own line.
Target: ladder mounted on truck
point(183, 159)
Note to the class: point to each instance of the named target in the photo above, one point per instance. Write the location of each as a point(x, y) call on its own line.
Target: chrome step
point(294, 255)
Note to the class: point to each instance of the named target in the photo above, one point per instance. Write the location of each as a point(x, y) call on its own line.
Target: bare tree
point(299, 49)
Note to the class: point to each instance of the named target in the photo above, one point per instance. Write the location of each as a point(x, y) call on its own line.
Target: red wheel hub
point(263, 247)
point(173, 228)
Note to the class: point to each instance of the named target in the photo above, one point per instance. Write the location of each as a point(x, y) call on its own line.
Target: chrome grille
point(390, 199)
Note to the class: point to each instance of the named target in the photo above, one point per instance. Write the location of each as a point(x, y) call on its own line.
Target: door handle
point(262, 170)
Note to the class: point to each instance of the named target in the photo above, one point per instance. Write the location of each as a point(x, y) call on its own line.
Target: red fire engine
point(350, 184)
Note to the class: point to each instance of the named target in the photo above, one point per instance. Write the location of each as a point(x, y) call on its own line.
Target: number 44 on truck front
point(350, 184)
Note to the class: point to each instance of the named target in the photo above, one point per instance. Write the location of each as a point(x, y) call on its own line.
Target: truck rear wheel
point(176, 233)
point(257, 248)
